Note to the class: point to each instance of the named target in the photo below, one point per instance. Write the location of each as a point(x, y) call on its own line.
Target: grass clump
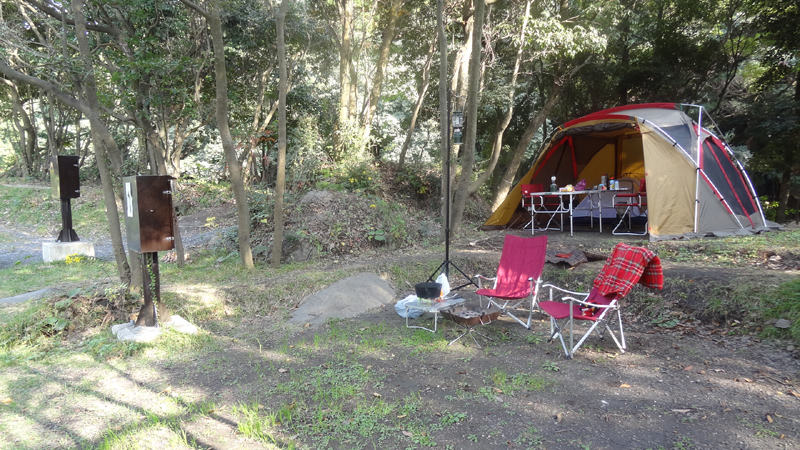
point(784, 303)
point(44, 322)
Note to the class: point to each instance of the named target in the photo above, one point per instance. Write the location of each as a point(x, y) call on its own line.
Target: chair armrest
point(593, 305)
point(480, 277)
point(554, 287)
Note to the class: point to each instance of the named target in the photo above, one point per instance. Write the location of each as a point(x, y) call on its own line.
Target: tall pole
point(444, 121)
point(447, 200)
point(444, 125)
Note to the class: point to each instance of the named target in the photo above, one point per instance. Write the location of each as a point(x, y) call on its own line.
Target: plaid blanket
point(627, 266)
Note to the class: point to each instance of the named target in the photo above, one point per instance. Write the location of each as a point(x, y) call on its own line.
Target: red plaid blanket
point(627, 266)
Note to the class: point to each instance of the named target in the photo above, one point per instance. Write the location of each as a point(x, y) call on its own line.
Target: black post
point(153, 308)
point(447, 263)
point(67, 234)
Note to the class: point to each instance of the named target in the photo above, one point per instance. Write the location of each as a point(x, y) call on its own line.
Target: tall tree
point(471, 119)
point(425, 83)
point(380, 67)
point(345, 122)
point(775, 116)
point(277, 242)
point(212, 17)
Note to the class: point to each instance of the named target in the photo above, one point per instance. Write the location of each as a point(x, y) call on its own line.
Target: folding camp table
point(431, 307)
point(594, 193)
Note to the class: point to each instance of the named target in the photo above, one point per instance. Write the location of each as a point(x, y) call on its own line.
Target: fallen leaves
point(6, 401)
point(624, 385)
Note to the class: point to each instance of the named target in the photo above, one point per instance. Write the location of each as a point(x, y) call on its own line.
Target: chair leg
point(555, 330)
point(629, 214)
point(471, 332)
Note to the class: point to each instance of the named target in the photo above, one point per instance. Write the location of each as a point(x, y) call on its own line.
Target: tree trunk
point(27, 135)
point(497, 146)
point(383, 60)
point(234, 169)
point(783, 195)
point(245, 251)
point(104, 145)
point(423, 89)
point(346, 12)
point(471, 118)
point(280, 183)
point(507, 180)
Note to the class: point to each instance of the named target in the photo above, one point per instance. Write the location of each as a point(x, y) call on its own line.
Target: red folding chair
point(599, 307)
point(547, 205)
point(519, 276)
point(630, 204)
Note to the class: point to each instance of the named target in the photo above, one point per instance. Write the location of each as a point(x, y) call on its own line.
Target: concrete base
point(130, 332)
point(58, 251)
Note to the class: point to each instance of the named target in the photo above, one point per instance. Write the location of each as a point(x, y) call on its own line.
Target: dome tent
point(695, 185)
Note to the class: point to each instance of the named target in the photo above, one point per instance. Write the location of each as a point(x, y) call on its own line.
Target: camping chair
point(626, 203)
point(549, 205)
point(519, 276)
point(626, 266)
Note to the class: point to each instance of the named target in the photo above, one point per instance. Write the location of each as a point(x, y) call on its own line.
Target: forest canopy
point(192, 88)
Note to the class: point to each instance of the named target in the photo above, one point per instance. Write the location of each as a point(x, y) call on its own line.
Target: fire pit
point(467, 316)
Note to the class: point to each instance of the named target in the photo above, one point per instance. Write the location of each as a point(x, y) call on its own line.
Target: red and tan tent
point(695, 185)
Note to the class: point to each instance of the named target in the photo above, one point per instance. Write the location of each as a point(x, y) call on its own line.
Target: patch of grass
point(784, 303)
point(730, 251)
point(550, 366)
point(530, 438)
point(41, 323)
point(253, 424)
point(34, 208)
point(20, 279)
point(450, 418)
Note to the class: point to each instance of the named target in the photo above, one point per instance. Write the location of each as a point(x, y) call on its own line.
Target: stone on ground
point(25, 297)
point(345, 298)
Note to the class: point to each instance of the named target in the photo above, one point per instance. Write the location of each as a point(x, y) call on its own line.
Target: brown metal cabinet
point(64, 179)
point(149, 213)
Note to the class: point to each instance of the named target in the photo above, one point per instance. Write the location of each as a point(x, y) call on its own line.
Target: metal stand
point(447, 263)
point(471, 332)
point(67, 234)
point(150, 313)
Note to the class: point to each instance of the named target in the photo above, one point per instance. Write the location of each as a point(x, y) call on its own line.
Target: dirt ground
point(695, 385)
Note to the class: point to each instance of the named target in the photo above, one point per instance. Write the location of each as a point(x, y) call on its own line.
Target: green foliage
point(361, 177)
point(771, 209)
point(193, 195)
point(262, 205)
point(418, 182)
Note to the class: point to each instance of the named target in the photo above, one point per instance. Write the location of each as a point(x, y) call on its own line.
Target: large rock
point(345, 298)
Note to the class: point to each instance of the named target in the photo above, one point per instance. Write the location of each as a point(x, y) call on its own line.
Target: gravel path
point(20, 247)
